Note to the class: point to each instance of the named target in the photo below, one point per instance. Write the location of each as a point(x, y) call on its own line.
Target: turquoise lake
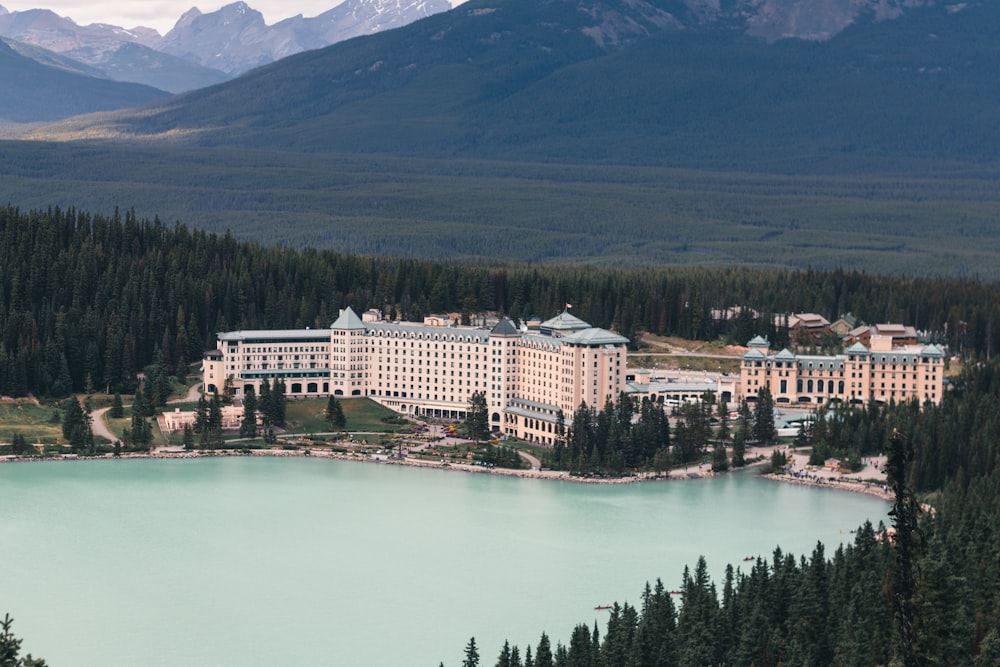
point(292, 561)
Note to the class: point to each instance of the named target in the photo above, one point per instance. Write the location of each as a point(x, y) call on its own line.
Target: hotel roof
point(348, 320)
point(564, 322)
point(274, 335)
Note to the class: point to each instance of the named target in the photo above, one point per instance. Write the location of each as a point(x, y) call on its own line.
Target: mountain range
point(636, 81)
point(202, 49)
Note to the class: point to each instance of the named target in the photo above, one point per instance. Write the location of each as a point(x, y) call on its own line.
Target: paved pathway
point(99, 426)
point(535, 463)
point(191, 396)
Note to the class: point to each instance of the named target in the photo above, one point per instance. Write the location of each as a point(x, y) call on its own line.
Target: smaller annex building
point(530, 377)
point(858, 376)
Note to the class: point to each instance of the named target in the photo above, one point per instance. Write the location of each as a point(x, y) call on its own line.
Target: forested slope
point(840, 608)
point(84, 298)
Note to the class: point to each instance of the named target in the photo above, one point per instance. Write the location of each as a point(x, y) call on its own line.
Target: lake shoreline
point(880, 491)
point(692, 472)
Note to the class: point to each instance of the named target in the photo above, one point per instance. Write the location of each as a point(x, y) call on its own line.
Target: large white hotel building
point(528, 377)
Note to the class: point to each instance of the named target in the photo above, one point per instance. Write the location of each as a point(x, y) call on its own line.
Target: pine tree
point(903, 584)
point(188, 438)
point(477, 417)
point(763, 418)
point(279, 402)
point(471, 654)
point(117, 410)
point(139, 404)
point(74, 425)
point(739, 450)
point(266, 405)
point(503, 660)
point(720, 463)
point(10, 648)
point(248, 426)
point(201, 415)
point(543, 654)
point(723, 415)
point(215, 413)
point(335, 413)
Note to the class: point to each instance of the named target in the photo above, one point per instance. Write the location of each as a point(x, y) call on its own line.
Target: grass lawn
point(36, 423)
point(118, 426)
point(363, 415)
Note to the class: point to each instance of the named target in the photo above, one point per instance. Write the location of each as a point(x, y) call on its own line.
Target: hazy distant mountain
point(52, 59)
point(235, 38)
point(354, 18)
point(118, 54)
point(204, 49)
point(31, 91)
point(141, 64)
point(640, 81)
point(232, 39)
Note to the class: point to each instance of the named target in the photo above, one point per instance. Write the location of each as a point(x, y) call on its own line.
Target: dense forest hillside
point(612, 82)
point(90, 301)
point(844, 608)
point(934, 225)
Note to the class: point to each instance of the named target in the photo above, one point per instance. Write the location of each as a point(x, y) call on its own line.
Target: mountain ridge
point(31, 91)
point(638, 81)
point(205, 48)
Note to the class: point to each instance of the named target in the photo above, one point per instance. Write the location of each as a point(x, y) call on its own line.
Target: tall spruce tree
point(117, 410)
point(471, 654)
point(477, 417)
point(903, 584)
point(74, 424)
point(10, 648)
point(763, 418)
point(278, 402)
point(248, 426)
point(335, 413)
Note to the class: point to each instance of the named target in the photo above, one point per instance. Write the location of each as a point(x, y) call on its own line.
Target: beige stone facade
point(528, 377)
point(858, 376)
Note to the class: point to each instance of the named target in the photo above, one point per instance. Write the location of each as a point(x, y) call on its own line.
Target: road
point(535, 463)
point(191, 396)
point(683, 354)
point(99, 427)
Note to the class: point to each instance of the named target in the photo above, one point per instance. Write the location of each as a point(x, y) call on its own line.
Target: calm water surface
point(239, 561)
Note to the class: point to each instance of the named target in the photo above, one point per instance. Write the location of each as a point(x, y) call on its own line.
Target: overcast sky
point(163, 14)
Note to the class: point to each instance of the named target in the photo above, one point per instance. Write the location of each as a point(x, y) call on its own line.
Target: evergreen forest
point(88, 301)
point(928, 595)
